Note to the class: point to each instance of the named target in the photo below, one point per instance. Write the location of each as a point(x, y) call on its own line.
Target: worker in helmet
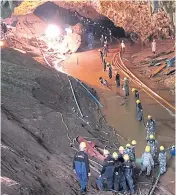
point(126, 87)
point(139, 111)
point(104, 63)
point(147, 161)
point(81, 167)
point(128, 151)
point(121, 153)
point(136, 93)
point(128, 170)
point(102, 40)
point(101, 55)
point(105, 49)
point(119, 178)
point(172, 151)
point(133, 144)
point(117, 79)
point(122, 46)
point(105, 180)
point(110, 70)
point(162, 160)
point(150, 126)
point(153, 144)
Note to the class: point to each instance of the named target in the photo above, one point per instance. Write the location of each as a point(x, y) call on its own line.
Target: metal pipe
point(90, 93)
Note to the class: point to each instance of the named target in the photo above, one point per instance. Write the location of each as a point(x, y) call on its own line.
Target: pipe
point(90, 93)
point(74, 97)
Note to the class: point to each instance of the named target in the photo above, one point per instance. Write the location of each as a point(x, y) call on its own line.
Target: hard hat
point(149, 116)
point(82, 145)
point(108, 63)
point(125, 78)
point(121, 148)
point(128, 145)
point(126, 157)
point(115, 155)
point(161, 148)
point(151, 136)
point(133, 89)
point(134, 142)
point(147, 149)
point(99, 50)
point(138, 101)
point(105, 152)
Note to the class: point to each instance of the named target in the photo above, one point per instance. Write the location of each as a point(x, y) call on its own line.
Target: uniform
point(139, 112)
point(136, 94)
point(126, 87)
point(101, 55)
point(110, 72)
point(152, 144)
point(81, 167)
point(150, 127)
point(130, 154)
point(162, 162)
point(147, 163)
point(105, 50)
point(104, 63)
point(117, 80)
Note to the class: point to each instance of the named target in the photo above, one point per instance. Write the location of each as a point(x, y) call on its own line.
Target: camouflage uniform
point(130, 154)
point(147, 162)
point(126, 87)
point(162, 162)
point(133, 151)
point(150, 127)
point(153, 148)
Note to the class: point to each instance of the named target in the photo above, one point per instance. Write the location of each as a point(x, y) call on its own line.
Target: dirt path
point(119, 115)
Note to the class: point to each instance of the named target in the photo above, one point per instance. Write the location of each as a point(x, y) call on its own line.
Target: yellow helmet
point(106, 152)
point(108, 63)
point(151, 136)
point(125, 78)
point(134, 142)
point(82, 145)
point(161, 148)
point(121, 148)
point(99, 50)
point(115, 155)
point(147, 149)
point(133, 89)
point(149, 116)
point(126, 157)
point(128, 145)
point(138, 101)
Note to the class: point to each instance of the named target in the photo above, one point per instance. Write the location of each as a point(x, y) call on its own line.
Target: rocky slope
point(141, 17)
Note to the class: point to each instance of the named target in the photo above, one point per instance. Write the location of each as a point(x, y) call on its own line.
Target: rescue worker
point(110, 70)
point(101, 40)
point(117, 78)
point(129, 152)
point(133, 144)
point(139, 112)
point(128, 170)
point(172, 152)
point(104, 63)
point(119, 178)
point(126, 87)
point(162, 160)
point(150, 126)
point(154, 46)
point(122, 46)
point(136, 93)
point(101, 55)
point(105, 180)
point(81, 167)
point(105, 49)
point(121, 153)
point(152, 143)
point(147, 161)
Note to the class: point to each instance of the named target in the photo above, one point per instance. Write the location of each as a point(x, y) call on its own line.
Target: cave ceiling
point(142, 17)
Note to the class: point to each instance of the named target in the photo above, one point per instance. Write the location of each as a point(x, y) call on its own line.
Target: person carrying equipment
point(152, 143)
point(136, 93)
point(162, 160)
point(147, 161)
point(119, 178)
point(139, 111)
point(128, 170)
point(150, 126)
point(81, 167)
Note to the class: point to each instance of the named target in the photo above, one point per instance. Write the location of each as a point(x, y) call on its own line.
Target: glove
point(89, 174)
point(74, 171)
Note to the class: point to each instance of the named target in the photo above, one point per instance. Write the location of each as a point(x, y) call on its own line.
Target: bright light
point(52, 31)
point(68, 30)
point(1, 43)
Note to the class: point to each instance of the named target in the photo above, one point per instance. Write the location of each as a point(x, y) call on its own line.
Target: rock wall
point(134, 16)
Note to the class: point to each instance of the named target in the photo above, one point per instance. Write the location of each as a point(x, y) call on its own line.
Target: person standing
point(122, 46)
point(128, 172)
point(105, 49)
point(126, 87)
point(129, 152)
point(104, 63)
point(101, 55)
point(81, 167)
point(154, 46)
point(152, 143)
point(133, 144)
point(117, 78)
point(121, 153)
point(150, 126)
point(162, 160)
point(136, 93)
point(101, 40)
point(147, 161)
point(110, 70)
point(139, 111)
